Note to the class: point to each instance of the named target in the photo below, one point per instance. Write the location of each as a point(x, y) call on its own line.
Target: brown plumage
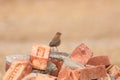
point(55, 42)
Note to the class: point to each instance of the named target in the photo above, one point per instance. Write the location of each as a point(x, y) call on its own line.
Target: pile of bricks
point(44, 64)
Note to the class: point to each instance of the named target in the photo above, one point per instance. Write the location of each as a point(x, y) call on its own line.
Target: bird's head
point(58, 33)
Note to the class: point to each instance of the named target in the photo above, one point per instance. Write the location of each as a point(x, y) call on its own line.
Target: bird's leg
point(57, 49)
point(52, 49)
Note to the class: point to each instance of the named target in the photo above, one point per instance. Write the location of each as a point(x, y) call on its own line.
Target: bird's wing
point(54, 42)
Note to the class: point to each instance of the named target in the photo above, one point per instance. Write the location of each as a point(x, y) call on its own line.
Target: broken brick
point(39, 56)
point(95, 72)
point(39, 76)
point(114, 71)
point(10, 59)
point(58, 63)
point(42, 65)
point(17, 70)
point(81, 54)
point(75, 74)
point(30, 76)
point(45, 77)
point(64, 74)
point(99, 60)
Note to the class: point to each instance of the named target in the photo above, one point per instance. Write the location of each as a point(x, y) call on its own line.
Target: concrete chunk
point(72, 64)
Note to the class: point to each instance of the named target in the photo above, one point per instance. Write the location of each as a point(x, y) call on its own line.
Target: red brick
point(75, 74)
point(95, 72)
point(30, 76)
point(99, 60)
point(91, 72)
point(81, 54)
point(39, 76)
point(39, 56)
point(45, 77)
point(58, 63)
point(17, 70)
point(114, 71)
point(10, 59)
point(64, 74)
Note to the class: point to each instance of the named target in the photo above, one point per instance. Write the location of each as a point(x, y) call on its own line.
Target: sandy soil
point(95, 23)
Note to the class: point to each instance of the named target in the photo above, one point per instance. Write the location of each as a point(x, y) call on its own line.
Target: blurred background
point(93, 22)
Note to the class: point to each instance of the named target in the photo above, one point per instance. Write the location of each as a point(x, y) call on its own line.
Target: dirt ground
point(95, 23)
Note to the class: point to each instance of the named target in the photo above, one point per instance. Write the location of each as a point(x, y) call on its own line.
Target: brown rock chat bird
point(55, 42)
